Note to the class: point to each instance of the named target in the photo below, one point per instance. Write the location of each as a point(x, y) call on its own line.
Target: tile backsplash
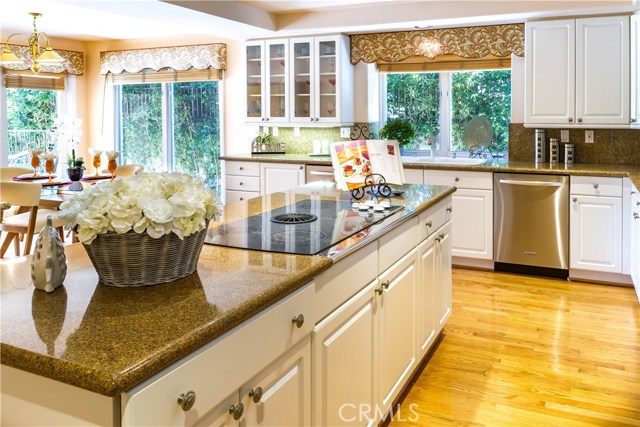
point(303, 144)
point(612, 146)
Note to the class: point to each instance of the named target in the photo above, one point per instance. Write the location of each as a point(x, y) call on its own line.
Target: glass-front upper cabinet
point(267, 81)
point(321, 80)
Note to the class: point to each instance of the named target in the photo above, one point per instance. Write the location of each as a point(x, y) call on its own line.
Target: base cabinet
point(276, 177)
point(634, 240)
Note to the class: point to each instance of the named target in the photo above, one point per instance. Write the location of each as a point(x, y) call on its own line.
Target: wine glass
point(35, 162)
point(97, 161)
point(330, 107)
point(112, 165)
point(49, 164)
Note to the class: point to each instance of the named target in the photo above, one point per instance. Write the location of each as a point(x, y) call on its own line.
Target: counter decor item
point(112, 165)
point(477, 136)
point(50, 164)
point(400, 130)
point(145, 230)
point(49, 263)
point(569, 153)
point(554, 150)
point(75, 169)
point(35, 159)
point(540, 141)
point(97, 161)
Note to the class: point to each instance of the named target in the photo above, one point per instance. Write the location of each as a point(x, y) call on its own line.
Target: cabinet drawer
point(239, 196)
point(434, 218)
point(397, 243)
point(460, 179)
point(243, 183)
point(242, 168)
point(222, 366)
point(596, 186)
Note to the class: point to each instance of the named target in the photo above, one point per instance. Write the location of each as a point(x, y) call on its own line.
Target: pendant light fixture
point(36, 54)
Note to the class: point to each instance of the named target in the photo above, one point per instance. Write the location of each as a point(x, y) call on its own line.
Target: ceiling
point(136, 19)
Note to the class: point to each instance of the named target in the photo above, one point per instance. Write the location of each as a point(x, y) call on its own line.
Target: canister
point(554, 150)
point(540, 141)
point(569, 153)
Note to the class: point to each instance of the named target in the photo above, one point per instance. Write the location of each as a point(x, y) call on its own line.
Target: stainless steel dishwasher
point(531, 223)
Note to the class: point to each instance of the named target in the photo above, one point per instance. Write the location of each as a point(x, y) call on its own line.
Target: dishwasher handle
point(531, 183)
point(320, 173)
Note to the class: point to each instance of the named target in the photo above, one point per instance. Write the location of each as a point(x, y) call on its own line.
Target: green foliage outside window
point(30, 115)
point(416, 97)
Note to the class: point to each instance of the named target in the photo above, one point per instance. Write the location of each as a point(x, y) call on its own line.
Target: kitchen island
point(91, 354)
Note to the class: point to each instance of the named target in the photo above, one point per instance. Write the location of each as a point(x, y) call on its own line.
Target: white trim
point(4, 134)
point(445, 113)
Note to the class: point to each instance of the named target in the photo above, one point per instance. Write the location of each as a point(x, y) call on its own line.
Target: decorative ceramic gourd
point(49, 263)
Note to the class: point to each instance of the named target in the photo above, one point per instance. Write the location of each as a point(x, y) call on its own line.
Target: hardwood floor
point(527, 351)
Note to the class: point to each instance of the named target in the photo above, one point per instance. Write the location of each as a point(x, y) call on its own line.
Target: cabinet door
point(275, 177)
point(596, 233)
point(344, 362)
point(635, 243)
point(635, 70)
point(473, 224)
point(396, 328)
point(602, 70)
point(219, 416)
point(255, 69)
point(327, 104)
point(302, 64)
point(443, 275)
point(426, 295)
point(550, 72)
point(281, 394)
point(277, 81)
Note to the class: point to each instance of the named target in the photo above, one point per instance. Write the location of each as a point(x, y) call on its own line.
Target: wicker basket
point(136, 259)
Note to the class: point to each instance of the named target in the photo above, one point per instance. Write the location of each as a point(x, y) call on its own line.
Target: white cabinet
point(241, 181)
point(322, 80)
point(443, 276)
point(577, 71)
point(634, 239)
point(595, 230)
point(635, 70)
point(275, 177)
point(472, 235)
point(426, 295)
point(267, 81)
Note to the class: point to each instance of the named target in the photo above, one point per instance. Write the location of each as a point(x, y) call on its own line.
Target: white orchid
point(66, 133)
point(155, 203)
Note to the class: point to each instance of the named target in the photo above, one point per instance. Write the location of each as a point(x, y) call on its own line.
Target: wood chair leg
point(16, 244)
point(61, 233)
point(30, 230)
point(7, 241)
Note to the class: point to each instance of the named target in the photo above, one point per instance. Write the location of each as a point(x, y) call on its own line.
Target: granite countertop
point(492, 165)
point(107, 339)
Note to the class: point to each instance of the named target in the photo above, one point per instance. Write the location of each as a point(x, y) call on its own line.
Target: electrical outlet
point(274, 131)
point(564, 136)
point(345, 132)
point(296, 131)
point(588, 136)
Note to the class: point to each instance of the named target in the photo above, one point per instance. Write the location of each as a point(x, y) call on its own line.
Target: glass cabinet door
point(302, 102)
point(255, 67)
point(327, 103)
point(277, 87)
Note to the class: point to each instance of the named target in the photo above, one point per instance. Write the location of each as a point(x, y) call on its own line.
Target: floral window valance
point(74, 63)
point(179, 58)
point(465, 42)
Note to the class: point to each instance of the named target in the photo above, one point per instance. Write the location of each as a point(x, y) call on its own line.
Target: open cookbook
point(353, 161)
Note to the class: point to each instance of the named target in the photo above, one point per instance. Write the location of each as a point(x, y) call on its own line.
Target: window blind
point(22, 80)
point(164, 76)
point(416, 64)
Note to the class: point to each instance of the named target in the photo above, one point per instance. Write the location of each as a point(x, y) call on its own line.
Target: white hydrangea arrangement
point(155, 203)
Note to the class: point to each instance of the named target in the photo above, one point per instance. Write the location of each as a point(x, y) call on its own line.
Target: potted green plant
point(400, 130)
point(75, 167)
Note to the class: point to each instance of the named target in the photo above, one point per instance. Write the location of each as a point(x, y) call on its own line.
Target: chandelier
point(38, 55)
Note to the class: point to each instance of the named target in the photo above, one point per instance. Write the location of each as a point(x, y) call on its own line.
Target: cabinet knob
point(595, 186)
point(266, 119)
point(187, 400)
point(449, 209)
point(456, 179)
point(236, 411)
point(380, 290)
point(385, 284)
point(635, 215)
point(241, 168)
point(311, 118)
point(262, 119)
point(438, 239)
point(638, 204)
point(240, 183)
point(570, 119)
point(579, 119)
point(633, 120)
point(241, 198)
point(441, 236)
point(429, 224)
point(301, 167)
point(256, 394)
point(298, 320)
point(575, 199)
point(317, 119)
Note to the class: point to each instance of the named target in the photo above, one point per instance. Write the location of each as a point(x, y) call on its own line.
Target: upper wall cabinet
point(322, 80)
point(267, 72)
point(635, 70)
point(578, 72)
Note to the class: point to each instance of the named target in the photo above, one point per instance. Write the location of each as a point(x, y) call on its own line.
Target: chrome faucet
point(431, 150)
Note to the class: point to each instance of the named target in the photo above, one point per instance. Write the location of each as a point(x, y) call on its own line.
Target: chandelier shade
point(35, 54)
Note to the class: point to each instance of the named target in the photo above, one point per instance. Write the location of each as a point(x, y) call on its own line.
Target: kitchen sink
point(465, 161)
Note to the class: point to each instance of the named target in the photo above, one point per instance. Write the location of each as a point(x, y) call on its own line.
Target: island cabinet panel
point(426, 295)
point(397, 328)
point(241, 181)
point(634, 240)
point(396, 243)
point(275, 177)
point(345, 354)
point(443, 275)
point(219, 370)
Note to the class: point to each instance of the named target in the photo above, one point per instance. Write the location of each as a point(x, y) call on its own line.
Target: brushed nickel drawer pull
point(256, 394)
point(456, 179)
point(379, 290)
point(187, 400)
point(429, 224)
point(449, 209)
point(298, 320)
point(385, 284)
point(575, 199)
point(595, 186)
point(635, 215)
point(236, 411)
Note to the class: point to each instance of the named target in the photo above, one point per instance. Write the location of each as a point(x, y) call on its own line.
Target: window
point(441, 104)
point(171, 126)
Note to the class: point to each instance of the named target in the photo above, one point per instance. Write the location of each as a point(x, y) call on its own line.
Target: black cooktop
point(306, 227)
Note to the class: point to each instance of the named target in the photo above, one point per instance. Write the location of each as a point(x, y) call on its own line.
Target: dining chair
point(7, 174)
point(28, 219)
